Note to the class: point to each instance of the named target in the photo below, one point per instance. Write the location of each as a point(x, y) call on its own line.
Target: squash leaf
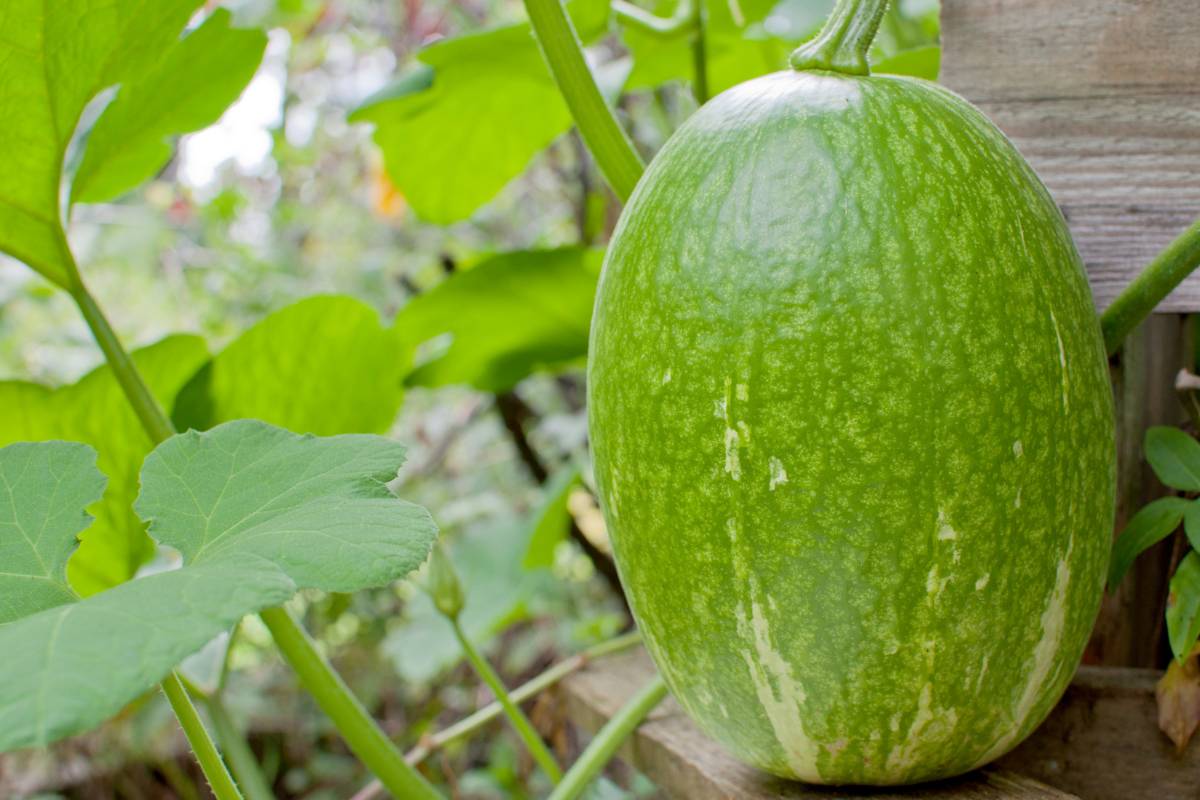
point(256, 513)
point(324, 365)
point(95, 411)
point(44, 488)
point(1175, 457)
point(920, 62)
point(471, 116)
point(1149, 526)
point(188, 90)
point(55, 61)
point(509, 316)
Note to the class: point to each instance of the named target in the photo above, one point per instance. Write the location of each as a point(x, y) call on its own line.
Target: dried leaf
point(1178, 694)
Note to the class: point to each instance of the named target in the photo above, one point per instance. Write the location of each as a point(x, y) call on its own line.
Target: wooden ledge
point(1101, 742)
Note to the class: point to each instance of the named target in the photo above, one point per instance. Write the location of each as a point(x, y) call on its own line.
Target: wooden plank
point(1102, 742)
point(687, 764)
point(1103, 100)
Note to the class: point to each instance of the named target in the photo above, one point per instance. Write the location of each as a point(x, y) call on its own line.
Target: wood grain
point(1104, 101)
point(688, 765)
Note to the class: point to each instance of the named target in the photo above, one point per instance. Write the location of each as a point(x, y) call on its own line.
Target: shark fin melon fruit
point(853, 429)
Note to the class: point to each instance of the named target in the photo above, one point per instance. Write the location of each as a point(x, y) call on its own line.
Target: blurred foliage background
point(413, 155)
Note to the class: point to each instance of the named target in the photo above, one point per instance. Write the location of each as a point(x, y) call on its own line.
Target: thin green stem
point(637, 17)
point(516, 717)
point(361, 733)
point(844, 40)
point(144, 404)
point(699, 55)
point(206, 752)
point(242, 762)
point(612, 149)
point(539, 683)
point(609, 740)
point(1148, 289)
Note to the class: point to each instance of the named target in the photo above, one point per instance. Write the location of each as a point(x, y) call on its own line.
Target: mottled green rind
point(853, 429)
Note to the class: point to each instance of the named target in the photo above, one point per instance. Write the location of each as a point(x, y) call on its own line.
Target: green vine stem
point(202, 745)
point(534, 686)
point(699, 55)
point(844, 39)
point(612, 149)
point(609, 740)
point(238, 754)
point(1165, 272)
point(361, 733)
point(635, 16)
point(516, 717)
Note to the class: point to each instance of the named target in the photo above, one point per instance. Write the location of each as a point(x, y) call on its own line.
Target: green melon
point(853, 429)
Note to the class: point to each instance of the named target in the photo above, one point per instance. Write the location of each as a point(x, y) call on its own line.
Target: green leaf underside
point(55, 62)
point(95, 411)
point(188, 90)
point(257, 513)
point(510, 316)
point(324, 365)
point(44, 488)
point(1175, 457)
point(494, 81)
point(551, 520)
point(1149, 526)
point(1183, 610)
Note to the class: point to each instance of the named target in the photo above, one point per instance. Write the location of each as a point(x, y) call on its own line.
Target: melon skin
point(853, 430)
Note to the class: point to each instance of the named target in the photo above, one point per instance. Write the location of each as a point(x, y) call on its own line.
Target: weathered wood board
point(690, 766)
point(1103, 98)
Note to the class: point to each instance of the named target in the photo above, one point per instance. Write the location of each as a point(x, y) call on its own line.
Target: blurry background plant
point(415, 155)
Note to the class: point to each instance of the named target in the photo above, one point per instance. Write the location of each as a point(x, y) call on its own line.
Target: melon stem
point(845, 39)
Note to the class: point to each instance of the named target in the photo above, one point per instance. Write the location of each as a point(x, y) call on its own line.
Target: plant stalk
point(609, 740)
point(844, 40)
point(516, 717)
point(202, 745)
point(539, 683)
point(1137, 301)
point(699, 55)
point(361, 733)
point(612, 149)
point(242, 762)
point(665, 27)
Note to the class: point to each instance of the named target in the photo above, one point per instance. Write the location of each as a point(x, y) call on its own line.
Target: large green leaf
point(96, 411)
point(256, 512)
point(44, 488)
point(471, 116)
point(1183, 607)
point(920, 62)
point(1175, 457)
point(324, 365)
point(1149, 526)
point(56, 59)
point(188, 90)
point(507, 317)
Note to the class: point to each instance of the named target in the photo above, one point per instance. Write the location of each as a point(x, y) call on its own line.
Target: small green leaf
point(256, 512)
point(920, 62)
point(1183, 607)
point(1149, 526)
point(56, 61)
point(510, 316)
point(466, 121)
point(1175, 457)
point(550, 521)
point(95, 411)
point(44, 488)
point(324, 365)
point(188, 90)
